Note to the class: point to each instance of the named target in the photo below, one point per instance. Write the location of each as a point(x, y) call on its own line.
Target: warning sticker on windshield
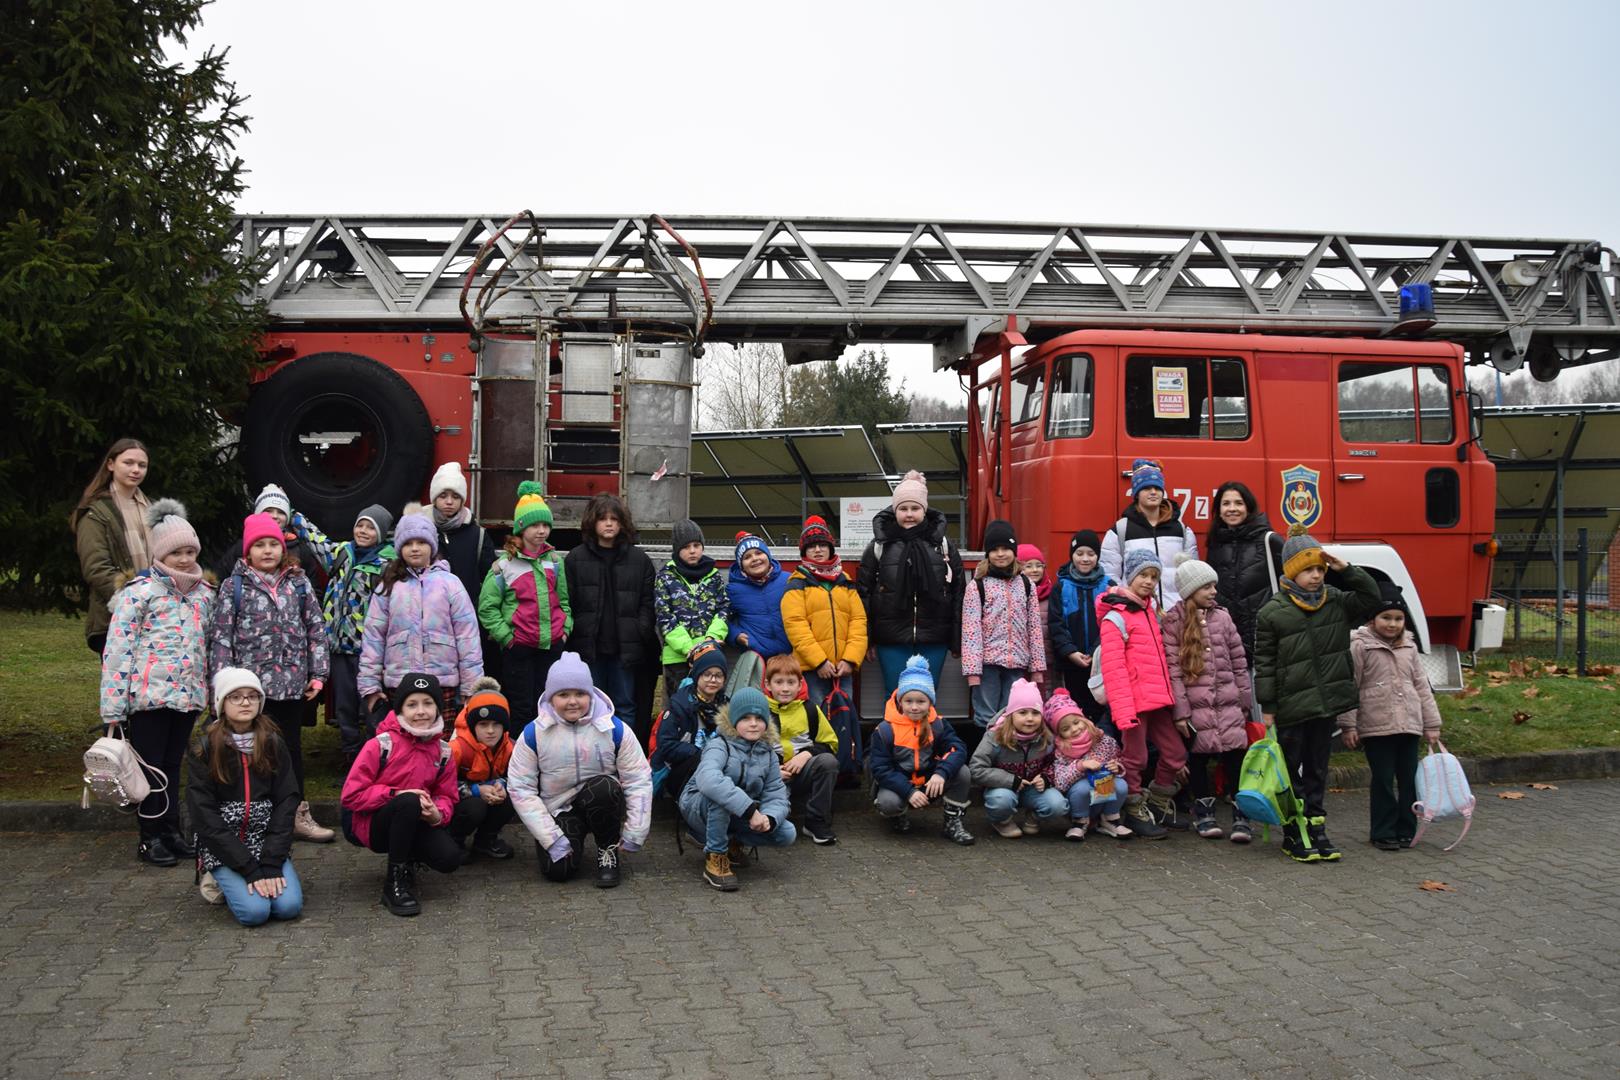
point(1170, 393)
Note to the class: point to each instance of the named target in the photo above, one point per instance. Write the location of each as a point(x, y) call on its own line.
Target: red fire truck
point(1326, 371)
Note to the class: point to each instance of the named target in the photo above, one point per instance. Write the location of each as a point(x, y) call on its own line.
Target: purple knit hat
point(416, 527)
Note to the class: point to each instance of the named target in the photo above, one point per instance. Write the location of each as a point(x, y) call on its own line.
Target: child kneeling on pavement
point(401, 792)
point(917, 758)
point(243, 797)
point(578, 769)
point(1011, 764)
point(809, 747)
point(482, 750)
point(1085, 765)
point(738, 791)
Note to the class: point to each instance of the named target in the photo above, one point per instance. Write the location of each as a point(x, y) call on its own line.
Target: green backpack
point(1265, 792)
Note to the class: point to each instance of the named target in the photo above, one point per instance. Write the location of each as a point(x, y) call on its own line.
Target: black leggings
point(599, 810)
point(289, 717)
point(159, 736)
point(1199, 782)
point(398, 831)
point(525, 669)
point(475, 817)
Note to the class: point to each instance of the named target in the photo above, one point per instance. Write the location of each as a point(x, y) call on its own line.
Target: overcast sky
point(1490, 118)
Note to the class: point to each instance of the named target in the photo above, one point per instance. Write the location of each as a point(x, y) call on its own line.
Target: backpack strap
point(385, 746)
point(618, 734)
point(1119, 620)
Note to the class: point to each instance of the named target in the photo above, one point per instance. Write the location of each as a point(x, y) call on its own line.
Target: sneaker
point(1325, 847)
point(956, 830)
point(1008, 828)
point(1389, 843)
point(1204, 823)
point(1141, 821)
point(492, 847)
point(1029, 824)
point(305, 827)
point(1297, 849)
point(607, 866)
point(900, 823)
point(1242, 831)
point(717, 871)
point(1077, 832)
point(1113, 826)
point(820, 834)
point(153, 850)
point(397, 894)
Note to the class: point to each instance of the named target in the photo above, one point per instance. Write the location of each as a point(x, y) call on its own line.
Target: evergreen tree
point(120, 310)
point(845, 392)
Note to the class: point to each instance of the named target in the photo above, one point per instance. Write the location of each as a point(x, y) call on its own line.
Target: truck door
point(1396, 475)
point(1194, 414)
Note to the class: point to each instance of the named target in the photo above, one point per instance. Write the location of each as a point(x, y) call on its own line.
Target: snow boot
point(955, 830)
point(397, 895)
point(1204, 819)
point(717, 871)
point(1140, 819)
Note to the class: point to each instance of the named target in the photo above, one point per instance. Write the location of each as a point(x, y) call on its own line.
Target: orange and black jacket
point(904, 754)
point(476, 763)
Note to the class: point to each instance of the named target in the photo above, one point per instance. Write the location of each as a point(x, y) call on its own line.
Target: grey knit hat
point(685, 532)
point(1192, 575)
point(1300, 551)
point(1138, 559)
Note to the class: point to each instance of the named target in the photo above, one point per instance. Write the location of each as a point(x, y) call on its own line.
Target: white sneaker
point(1076, 832)
point(1008, 828)
point(1114, 827)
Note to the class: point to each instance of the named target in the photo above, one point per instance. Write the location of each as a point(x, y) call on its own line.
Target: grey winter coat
point(276, 630)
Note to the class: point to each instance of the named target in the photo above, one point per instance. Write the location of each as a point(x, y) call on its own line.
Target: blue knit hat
point(747, 541)
point(1146, 473)
point(416, 527)
point(749, 701)
point(916, 676)
point(1138, 559)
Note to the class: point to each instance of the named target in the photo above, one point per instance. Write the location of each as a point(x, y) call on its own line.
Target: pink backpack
point(1442, 792)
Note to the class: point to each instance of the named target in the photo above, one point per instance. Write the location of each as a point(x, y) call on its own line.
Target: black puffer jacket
point(470, 551)
point(911, 582)
point(613, 584)
point(1243, 581)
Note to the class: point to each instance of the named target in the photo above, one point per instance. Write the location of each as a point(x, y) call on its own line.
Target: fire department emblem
point(1301, 501)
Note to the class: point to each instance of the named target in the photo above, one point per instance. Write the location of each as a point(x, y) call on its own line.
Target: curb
point(1598, 763)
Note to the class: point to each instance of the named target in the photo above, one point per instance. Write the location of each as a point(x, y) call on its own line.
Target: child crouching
point(1011, 764)
point(402, 790)
point(738, 789)
point(482, 750)
point(917, 759)
point(578, 769)
point(1086, 769)
point(689, 721)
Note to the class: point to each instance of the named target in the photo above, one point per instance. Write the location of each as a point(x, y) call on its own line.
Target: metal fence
point(1556, 590)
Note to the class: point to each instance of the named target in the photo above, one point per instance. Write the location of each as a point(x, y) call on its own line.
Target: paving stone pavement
point(887, 956)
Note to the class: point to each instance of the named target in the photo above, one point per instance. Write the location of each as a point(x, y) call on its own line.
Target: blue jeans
point(719, 828)
point(1081, 807)
point(892, 659)
point(618, 683)
point(249, 907)
point(1000, 803)
point(990, 696)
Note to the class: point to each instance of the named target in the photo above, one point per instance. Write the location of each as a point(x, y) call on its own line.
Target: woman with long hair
point(1238, 543)
point(110, 531)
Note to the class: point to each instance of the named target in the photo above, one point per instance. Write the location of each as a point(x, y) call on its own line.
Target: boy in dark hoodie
point(1304, 676)
point(917, 759)
point(688, 721)
point(482, 749)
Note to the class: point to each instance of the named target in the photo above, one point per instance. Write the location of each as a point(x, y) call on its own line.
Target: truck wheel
point(339, 432)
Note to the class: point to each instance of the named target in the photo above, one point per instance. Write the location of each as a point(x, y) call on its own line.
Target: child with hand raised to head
point(1086, 769)
point(1395, 714)
point(917, 759)
point(578, 769)
point(242, 797)
point(401, 792)
point(482, 750)
point(737, 792)
point(1011, 764)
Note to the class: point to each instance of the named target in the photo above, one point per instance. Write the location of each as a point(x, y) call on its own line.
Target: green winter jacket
point(104, 559)
point(1302, 658)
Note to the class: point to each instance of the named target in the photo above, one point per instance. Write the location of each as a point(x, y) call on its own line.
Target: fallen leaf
point(1545, 787)
point(1516, 668)
point(1521, 717)
point(1335, 791)
point(1497, 677)
point(1601, 671)
point(1605, 686)
point(1435, 886)
point(1510, 794)
point(1532, 692)
point(1472, 691)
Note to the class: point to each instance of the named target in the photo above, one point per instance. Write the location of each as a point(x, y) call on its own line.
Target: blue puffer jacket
point(1071, 613)
point(738, 775)
point(756, 610)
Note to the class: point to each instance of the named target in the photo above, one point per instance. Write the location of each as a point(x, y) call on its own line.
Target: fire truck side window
point(1028, 389)
point(1169, 397)
point(1231, 388)
point(1070, 414)
point(1395, 403)
point(1434, 403)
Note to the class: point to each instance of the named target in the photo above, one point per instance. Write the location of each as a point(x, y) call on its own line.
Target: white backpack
point(1442, 792)
point(1099, 692)
point(115, 773)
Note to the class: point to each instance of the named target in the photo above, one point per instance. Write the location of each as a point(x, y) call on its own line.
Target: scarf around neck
point(1043, 588)
point(1307, 600)
point(1072, 749)
point(831, 570)
point(454, 521)
point(694, 574)
point(183, 582)
point(423, 731)
point(242, 742)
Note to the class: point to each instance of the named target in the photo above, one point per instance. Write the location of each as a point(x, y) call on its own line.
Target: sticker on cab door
point(1301, 501)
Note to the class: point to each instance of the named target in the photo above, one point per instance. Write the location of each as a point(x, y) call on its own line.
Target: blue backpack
point(1265, 792)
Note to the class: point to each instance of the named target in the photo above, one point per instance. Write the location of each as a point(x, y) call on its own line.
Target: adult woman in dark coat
point(1238, 540)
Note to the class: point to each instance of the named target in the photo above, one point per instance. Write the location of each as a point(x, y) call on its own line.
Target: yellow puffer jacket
point(824, 622)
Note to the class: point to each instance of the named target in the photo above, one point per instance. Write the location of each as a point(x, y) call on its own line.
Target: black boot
point(491, 846)
point(1320, 841)
point(1140, 819)
point(956, 830)
point(397, 895)
point(1296, 847)
point(153, 850)
point(176, 842)
point(900, 823)
point(607, 866)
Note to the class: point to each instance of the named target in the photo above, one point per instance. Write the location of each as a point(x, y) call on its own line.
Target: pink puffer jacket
point(1396, 698)
point(1218, 701)
point(1135, 673)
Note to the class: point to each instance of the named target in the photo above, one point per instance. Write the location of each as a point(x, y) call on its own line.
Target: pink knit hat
point(1025, 695)
point(1059, 705)
point(1030, 553)
point(913, 487)
point(259, 527)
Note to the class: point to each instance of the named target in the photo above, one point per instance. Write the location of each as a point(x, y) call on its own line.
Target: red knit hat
point(815, 532)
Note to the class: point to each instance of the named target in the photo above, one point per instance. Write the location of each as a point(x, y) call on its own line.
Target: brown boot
point(717, 871)
point(305, 827)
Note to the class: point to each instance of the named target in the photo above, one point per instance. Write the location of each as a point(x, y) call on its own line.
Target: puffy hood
point(1118, 596)
point(886, 527)
point(724, 726)
point(601, 713)
point(1371, 639)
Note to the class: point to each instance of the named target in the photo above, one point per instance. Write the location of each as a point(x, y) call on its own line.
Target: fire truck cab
point(1370, 444)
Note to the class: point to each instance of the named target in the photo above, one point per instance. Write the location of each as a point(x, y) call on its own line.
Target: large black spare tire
point(339, 432)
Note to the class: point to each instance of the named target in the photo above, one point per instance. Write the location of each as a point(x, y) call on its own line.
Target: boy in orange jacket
point(481, 749)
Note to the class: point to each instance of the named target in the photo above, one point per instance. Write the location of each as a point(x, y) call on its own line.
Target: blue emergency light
point(1417, 302)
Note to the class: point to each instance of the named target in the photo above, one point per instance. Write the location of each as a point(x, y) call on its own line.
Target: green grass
point(49, 682)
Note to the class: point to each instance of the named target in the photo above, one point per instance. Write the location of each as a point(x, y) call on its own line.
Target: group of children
point(402, 641)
